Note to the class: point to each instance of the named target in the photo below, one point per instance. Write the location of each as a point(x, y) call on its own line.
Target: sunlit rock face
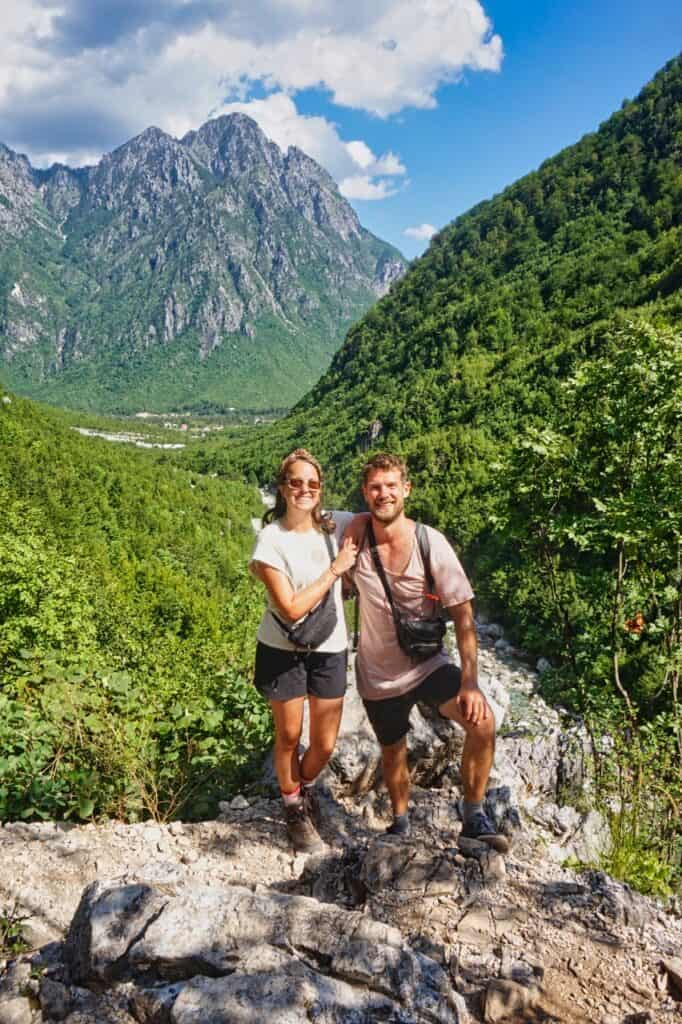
point(215, 260)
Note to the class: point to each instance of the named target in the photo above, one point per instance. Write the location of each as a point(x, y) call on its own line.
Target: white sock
point(291, 798)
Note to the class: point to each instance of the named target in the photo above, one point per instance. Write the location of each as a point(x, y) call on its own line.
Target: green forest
point(529, 367)
point(127, 627)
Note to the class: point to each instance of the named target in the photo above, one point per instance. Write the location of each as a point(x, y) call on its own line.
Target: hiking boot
point(480, 829)
point(311, 804)
point(300, 829)
point(399, 827)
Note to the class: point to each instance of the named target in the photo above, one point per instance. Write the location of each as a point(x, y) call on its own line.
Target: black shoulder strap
point(425, 551)
point(382, 575)
point(356, 600)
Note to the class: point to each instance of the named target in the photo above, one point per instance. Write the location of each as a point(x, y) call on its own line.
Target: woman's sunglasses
point(297, 484)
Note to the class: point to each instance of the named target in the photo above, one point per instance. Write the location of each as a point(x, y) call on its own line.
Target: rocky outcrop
point(244, 260)
point(18, 194)
point(216, 955)
point(221, 921)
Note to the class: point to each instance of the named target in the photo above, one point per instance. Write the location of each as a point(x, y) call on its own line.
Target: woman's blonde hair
point(322, 520)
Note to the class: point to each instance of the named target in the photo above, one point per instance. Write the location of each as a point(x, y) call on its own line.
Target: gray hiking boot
point(400, 826)
point(480, 829)
point(311, 804)
point(300, 829)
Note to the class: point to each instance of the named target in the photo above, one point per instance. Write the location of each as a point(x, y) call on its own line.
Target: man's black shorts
point(390, 718)
point(283, 675)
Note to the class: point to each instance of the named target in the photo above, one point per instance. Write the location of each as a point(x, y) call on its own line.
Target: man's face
point(385, 493)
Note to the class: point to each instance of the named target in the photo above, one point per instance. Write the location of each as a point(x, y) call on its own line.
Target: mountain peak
point(223, 271)
point(230, 145)
point(151, 134)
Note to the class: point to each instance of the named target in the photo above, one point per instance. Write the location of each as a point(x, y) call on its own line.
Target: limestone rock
point(617, 901)
point(391, 863)
point(224, 945)
point(673, 968)
point(17, 1010)
point(504, 999)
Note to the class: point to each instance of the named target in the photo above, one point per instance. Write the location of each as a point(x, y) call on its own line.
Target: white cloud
point(422, 232)
point(360, 186)
point(78, 77)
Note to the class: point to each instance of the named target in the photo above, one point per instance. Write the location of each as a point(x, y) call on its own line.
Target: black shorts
point(282, 675)
point(390, 718)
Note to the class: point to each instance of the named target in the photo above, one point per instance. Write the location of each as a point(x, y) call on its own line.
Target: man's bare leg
point(478, 752)
point(396, 775)
point(477, 760)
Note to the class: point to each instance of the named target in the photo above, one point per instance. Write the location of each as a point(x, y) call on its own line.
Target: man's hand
point(472, 705)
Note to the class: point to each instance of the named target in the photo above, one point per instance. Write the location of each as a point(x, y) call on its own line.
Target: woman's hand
point(294, 604)
point(357, 527)
point(345, 559)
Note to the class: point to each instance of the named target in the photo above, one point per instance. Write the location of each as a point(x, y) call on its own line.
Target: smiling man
point(392, 674)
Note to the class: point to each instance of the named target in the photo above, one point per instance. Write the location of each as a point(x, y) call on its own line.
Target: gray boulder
point(219, 954)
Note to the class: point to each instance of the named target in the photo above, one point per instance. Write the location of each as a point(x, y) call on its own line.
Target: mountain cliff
point(211, 269)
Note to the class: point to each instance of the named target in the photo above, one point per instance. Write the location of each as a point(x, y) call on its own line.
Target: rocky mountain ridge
point(219, 921)
point(214, 268)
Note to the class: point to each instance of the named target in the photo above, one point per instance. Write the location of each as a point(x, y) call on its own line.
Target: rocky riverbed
point(219, 921)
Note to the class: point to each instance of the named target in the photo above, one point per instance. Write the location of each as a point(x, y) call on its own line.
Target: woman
point(298, 559)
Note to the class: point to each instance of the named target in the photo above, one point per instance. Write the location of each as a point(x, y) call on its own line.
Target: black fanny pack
point(319, 624)
point(420, 638)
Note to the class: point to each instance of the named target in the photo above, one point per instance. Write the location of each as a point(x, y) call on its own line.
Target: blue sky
point(566, 68)
point(418, 108)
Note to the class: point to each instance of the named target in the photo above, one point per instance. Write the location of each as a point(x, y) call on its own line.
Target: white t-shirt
point(302, 557)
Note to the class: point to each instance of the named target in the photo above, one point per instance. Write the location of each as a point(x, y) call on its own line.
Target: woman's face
point(302, 487)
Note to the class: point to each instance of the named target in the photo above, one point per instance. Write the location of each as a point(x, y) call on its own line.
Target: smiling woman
point(302, 639)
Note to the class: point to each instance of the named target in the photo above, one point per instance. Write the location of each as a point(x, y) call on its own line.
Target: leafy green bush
point(127, 629)
point(81, 742)
point(590, 563)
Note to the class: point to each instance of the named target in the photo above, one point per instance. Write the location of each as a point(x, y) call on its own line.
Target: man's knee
point(483, 732)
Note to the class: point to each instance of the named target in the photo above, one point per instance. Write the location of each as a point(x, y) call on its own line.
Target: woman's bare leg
point(288, 717)
point(325, 719)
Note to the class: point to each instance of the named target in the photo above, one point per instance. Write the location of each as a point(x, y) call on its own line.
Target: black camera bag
point(420, 638)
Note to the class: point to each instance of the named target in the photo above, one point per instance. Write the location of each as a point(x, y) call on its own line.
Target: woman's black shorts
point(282, 675)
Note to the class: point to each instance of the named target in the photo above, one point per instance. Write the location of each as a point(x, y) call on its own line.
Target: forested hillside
point(474, 340)
point(530, 367)
point(127, 626)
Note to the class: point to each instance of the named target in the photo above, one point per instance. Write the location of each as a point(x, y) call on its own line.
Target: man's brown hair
point(384, 460)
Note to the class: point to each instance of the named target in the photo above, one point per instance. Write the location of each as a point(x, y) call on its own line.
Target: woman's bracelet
point(334, 572)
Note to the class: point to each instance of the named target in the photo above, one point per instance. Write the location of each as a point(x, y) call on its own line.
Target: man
point(390, 681)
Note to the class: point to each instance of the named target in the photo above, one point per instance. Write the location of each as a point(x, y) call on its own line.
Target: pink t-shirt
point(382, 668)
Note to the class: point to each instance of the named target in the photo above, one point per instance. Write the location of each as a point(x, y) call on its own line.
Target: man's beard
point(388, 514)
